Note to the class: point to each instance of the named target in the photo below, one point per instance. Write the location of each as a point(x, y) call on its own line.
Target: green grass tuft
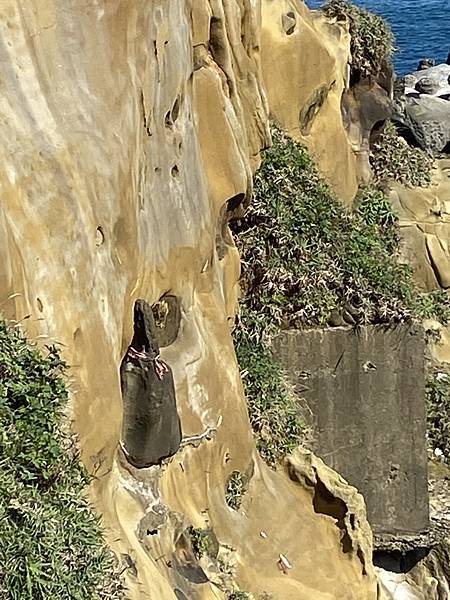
point(275, 412)
point(51, 544)
point(236, 487)
point(392, 159)
point(200, 540)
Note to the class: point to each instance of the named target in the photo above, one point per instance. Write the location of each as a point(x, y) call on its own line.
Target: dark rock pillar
point(151, 426)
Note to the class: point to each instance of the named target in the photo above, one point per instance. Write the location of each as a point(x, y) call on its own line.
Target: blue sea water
point(421, 27)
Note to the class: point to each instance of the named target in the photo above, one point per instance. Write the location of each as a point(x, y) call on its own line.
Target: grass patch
point(304, 255)
point(235, 490)
point(200, 540)
point(274, 410)
point(237, 485)
point(438, 412)
point(307, 261)
point(51, 544)
point(372, 41)
point(392, 158)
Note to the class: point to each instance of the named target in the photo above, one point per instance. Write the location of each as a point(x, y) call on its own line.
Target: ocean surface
point(422, 28)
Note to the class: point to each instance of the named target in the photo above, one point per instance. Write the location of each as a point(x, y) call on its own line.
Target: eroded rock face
point(424, 110)
point(306, 73)
point(424, 219)
point(129, 135)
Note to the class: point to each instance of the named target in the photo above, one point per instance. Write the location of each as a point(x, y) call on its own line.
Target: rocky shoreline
point(422, 106)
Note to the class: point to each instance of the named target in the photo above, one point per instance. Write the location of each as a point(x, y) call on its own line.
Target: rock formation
point(424, 110)
point(129, 136)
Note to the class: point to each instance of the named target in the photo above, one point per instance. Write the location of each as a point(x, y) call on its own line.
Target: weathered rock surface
point(129, 133)
point(437, 77)
point(424, 219)
point(424, 111)
point(306, 73)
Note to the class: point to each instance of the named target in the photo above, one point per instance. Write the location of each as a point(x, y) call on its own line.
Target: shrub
point(305, 256)
point(438, 411)
point(51, 544)
point(200, 540)
point(372, 41)
point(236, 487)
point(392, 158)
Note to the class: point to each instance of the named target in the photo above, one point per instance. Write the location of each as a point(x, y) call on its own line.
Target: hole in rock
point(39, 304)
point(289, 22)
point(397, 561)
point(168, 121)
point(326, 504)
point(175, 171)
point(99, 236)
point(151, 427)
point(407, 134)
point(235, 202)
point(167, 315)
point(174, 113)
point(376, 131)
point(185, 561)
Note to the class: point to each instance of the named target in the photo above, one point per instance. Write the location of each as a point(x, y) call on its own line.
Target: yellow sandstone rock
point(129, 132)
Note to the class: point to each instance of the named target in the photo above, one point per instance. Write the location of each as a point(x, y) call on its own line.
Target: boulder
point(425, 63)
point(432, 80)
point(423, 110)
point(426, 119)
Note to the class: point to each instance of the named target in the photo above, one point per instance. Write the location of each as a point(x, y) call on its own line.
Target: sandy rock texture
point(424, 215)
point(129, 133)
point(305, 63)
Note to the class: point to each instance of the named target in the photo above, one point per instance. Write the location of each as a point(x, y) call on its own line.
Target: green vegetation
point(305, 256)
point(236, 487)
point(393, 159)
point(372, 41)
point(200, 540)
point(274, 410)
point(51, 544)
point(438, 411)
point(307, 261)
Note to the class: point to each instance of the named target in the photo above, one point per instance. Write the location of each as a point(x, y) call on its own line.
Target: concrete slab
point(366, 394)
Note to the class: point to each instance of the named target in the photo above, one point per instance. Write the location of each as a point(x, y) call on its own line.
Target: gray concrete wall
point(366, 395)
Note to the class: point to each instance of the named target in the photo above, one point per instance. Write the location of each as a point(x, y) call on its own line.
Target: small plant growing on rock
point(200, 541)
point(438, 412)
point(393, 159)
point(372, 41)
point(236, 487)
point(275, 412)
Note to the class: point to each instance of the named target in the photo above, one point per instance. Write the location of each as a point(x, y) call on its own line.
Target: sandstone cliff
point(129, 135)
